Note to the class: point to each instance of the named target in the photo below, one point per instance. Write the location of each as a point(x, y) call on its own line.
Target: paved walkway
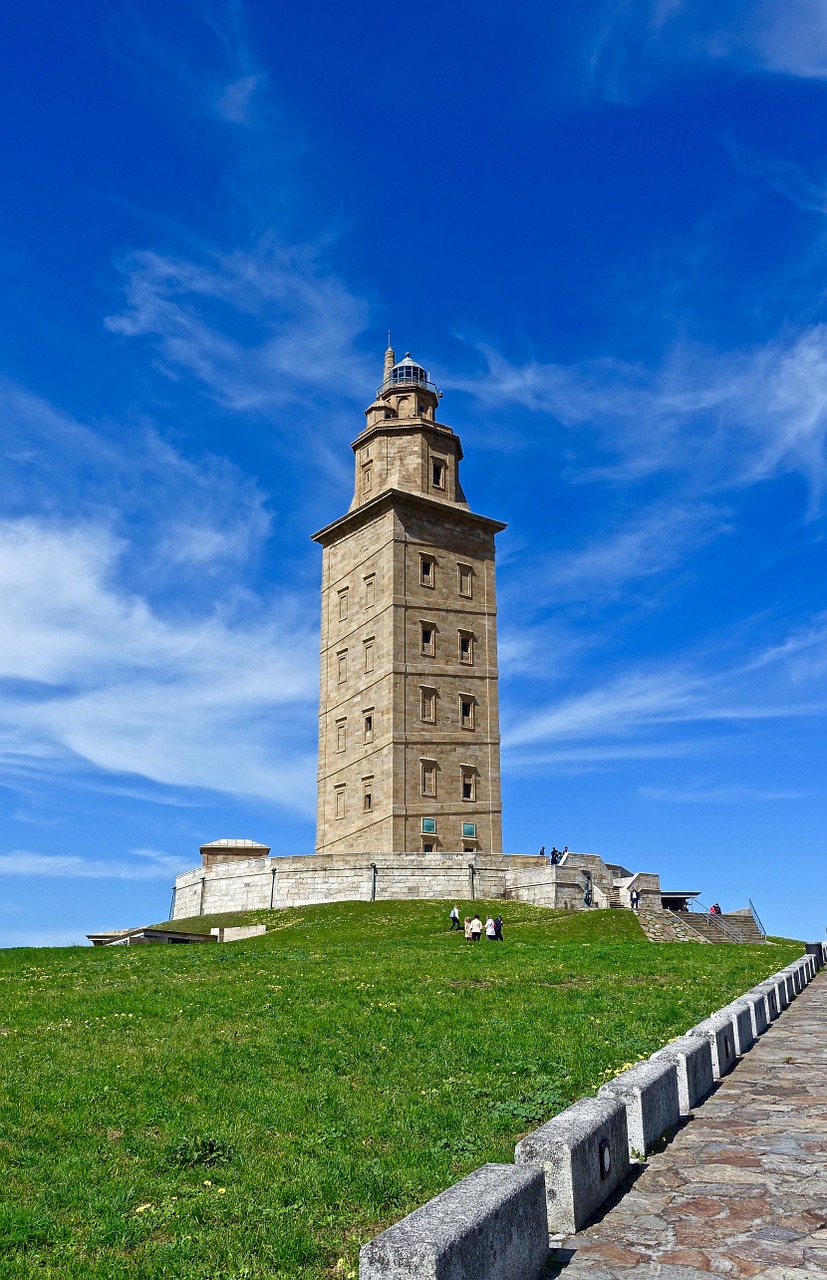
point(742, 1188)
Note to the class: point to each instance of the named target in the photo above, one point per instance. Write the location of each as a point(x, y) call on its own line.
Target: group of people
point(556, 854)
point(474, 926)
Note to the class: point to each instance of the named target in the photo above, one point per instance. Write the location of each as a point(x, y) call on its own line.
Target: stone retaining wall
point(247, 884)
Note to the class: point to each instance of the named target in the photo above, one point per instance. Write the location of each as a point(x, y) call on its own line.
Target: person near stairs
point(634, 898)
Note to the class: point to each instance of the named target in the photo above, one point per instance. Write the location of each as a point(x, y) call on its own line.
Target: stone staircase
point(694, 926)
point(666, 926)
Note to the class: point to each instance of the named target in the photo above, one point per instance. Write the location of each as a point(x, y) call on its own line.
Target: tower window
point(437, 473)
point(427, 705)
point(466, 648)
point(367, 477)
point(341, 666)
point(428, 639)
point(468, 792)
point(370, 591)
point(466, 712)
point(368, 726)
point(341, 735)
point(343, 594)
point(367, 795)
point(370, 654)
point(427, 571)
point(428, 778)
point(466, 580)
point(340, 801)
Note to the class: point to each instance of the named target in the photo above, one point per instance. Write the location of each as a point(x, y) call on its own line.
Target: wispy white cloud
point(733, 794)
point(627, 49)
point(727, 419)
point(300, 323)
point(221, 700)
point(155, 866)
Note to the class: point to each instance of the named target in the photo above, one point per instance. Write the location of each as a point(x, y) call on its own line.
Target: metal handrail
point(757, 919)
point(734, 934)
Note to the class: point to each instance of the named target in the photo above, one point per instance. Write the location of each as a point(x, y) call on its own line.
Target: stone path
point(742, 1188)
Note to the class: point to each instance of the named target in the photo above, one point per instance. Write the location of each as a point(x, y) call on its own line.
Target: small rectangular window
point(466, 580)
point(368, 725)
point(341, 735)
point(370, 654)
point(427, 846)
point(343, 594)
point(469, 792)
point(437, 473)
point(367, 478)
point(469, 830)
point(429, 826)
point(427, 574)
point(370, 591)
point(341, 665)
point(466, 648)
point(340, 802)
point(427, 705)
point(466, 712)
point(367, 795)
point(428, 778)
point(428, 639)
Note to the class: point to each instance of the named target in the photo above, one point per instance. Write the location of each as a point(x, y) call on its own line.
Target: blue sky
point(602, 228)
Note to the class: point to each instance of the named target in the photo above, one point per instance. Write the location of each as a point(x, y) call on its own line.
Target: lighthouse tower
point(409, 746)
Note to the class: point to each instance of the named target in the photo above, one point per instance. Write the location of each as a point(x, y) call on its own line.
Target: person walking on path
point(454, 919)
point(490, 929)
point(498, 928)
point(476, 929)
point(467, 928)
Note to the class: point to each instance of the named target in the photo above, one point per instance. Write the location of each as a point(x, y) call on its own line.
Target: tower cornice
point(389, 500)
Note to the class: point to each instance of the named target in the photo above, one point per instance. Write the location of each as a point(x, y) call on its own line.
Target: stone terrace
point(741, 1190)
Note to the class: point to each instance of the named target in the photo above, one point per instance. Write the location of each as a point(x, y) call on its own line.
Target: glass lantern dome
point(407, 373)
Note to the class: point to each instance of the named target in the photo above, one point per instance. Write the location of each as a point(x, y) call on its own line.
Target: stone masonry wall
point(245, 885)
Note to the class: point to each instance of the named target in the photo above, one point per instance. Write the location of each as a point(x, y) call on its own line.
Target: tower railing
point(759, 926)
point(724, 926)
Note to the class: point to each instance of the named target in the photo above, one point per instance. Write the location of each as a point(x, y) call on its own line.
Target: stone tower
point(409, 746)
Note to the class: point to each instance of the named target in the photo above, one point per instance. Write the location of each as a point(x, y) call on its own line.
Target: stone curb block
point(757, 1010)
point(649, 1091)
point(742, 1023)
point(795, 973)
point(490, 1226)
point(780, 980)
point(720, 1033)
point(584, 1154)
point(769, 993)
point(692, 1056)
point(789, 985)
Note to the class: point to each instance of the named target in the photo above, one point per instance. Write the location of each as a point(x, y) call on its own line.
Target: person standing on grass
point(498, 928)
point(490, 929)
point(454, 919)
point(467, 928)
point(476, 929)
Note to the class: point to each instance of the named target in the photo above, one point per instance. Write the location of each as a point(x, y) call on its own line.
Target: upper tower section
point(403, 446)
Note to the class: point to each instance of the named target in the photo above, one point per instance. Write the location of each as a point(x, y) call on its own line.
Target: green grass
point(260, 1109)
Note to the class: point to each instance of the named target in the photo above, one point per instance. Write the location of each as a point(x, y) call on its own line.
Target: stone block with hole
point(584, 1155)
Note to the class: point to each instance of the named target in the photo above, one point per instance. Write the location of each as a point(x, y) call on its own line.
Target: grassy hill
point(259, 1109)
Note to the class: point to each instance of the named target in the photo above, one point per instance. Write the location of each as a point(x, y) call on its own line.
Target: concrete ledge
point(769, 993)
point(780, 980)
point(756, 1006)
point(720, 1033)
point(649, 1092)
point(692, 1056)
point(584, 1155)
point(742, 1024)
point(490, 1226)
point(816, 954)
point(794, 974)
